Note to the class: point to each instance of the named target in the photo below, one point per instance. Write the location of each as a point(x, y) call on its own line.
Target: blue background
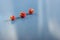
point(42, 25)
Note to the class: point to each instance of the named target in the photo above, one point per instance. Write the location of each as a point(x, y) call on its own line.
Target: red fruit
point(22, 14)
point(31, 11)
point(12, 18)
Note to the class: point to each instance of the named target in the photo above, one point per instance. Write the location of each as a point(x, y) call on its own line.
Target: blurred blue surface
point(44, 24)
